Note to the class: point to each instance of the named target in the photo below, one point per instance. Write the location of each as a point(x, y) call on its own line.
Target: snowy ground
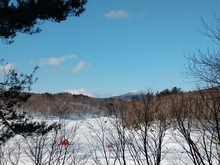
point(92, 141)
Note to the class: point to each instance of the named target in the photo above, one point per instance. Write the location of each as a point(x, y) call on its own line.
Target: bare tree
point(136, 133)
point(98, 142)
point(180, 108)
point(196, 125)
point(11, 153)
point(204, 68)
point(119, 135)
point(56, 148)
point(212, 31)
point(208, 119)
point(149, 131)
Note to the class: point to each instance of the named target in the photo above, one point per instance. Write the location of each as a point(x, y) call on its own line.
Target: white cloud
point(6, 68)
point(169, 78)
point(172, 76)
point(81, 66)
point(81, 91)
point(55, 61)
point(117, 14)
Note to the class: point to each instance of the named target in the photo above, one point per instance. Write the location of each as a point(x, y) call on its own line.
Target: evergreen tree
point(24, 15)
point(14, 90)
point(176, 90)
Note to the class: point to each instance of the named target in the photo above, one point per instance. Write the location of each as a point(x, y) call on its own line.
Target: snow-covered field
point(92, 141)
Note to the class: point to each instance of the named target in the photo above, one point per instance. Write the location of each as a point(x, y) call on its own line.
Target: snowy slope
point(132, 94)
point(92, 141)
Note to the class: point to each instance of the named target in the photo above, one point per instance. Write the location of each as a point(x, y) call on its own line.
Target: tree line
point(194, 115)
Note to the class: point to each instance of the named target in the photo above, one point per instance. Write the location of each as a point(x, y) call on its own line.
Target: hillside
point(132, 95)
point(66, 104)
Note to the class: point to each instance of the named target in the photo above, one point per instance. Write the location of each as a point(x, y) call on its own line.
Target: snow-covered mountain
point(132, 94)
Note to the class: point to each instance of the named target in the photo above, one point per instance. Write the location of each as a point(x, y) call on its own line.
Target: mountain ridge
point(132, 94)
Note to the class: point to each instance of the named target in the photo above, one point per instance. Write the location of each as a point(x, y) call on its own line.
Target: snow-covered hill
point(132, 94)
point(94, 141)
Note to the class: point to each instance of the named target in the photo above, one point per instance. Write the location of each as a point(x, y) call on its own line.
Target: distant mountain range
point(132, 94)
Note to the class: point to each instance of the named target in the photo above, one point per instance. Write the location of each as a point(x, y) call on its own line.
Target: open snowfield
point(91, 141)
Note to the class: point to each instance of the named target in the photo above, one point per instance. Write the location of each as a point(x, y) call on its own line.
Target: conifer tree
point(23, 15)
point(14, 90)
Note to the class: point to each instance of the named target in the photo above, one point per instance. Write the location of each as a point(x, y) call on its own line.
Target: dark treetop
point(23, 15)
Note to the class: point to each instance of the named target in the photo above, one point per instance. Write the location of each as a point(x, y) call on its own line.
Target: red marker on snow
point(64, 143)
point(109, 146)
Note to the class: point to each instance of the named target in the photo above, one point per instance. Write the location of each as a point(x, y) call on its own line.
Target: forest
point(166, 127)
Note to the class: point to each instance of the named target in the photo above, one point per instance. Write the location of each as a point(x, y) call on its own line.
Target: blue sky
point(115, 46)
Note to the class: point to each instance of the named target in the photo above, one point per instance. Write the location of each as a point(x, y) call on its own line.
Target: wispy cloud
point(117, 14)
point(55, 61)
point(6, 68)
point(169, 78)
point(172, 76)
point(81, 91)
point(81, 66)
